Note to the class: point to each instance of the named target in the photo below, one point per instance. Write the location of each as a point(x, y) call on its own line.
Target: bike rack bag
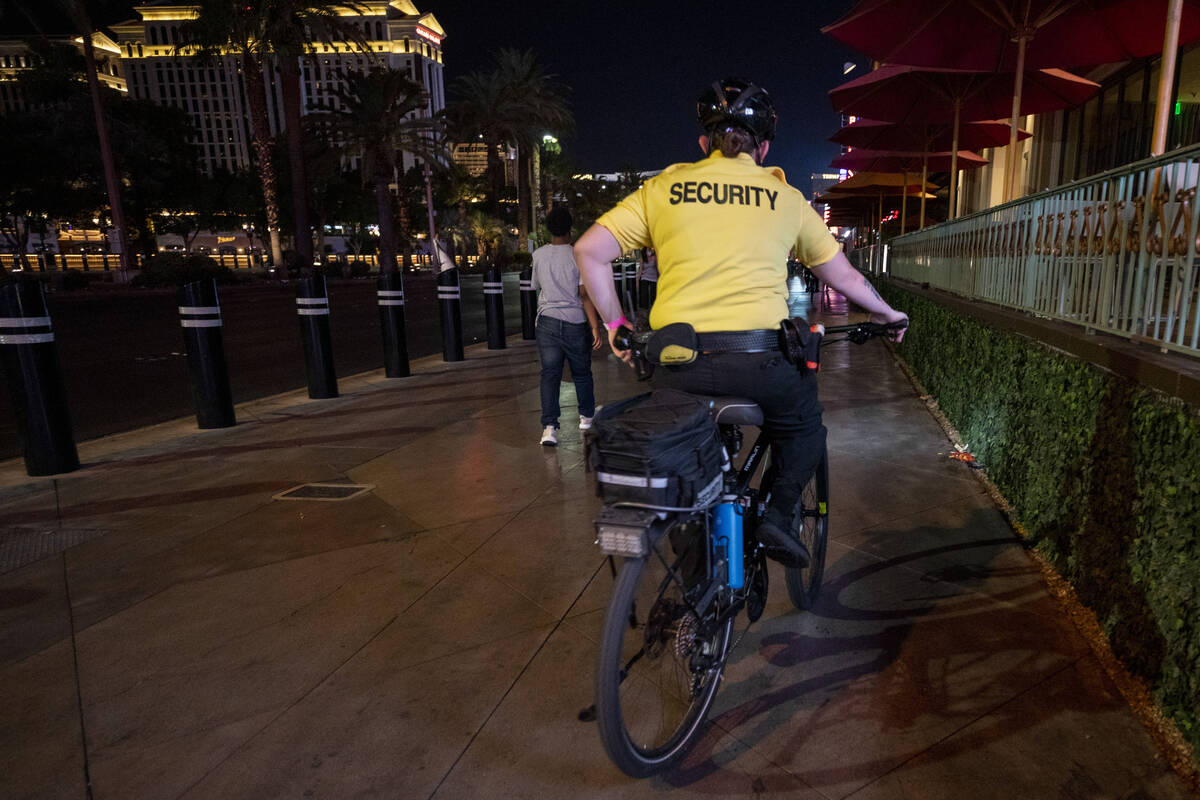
point(660, 449)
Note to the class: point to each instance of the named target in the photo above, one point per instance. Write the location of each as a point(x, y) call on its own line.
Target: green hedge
point(176, 269)
point(1104, 475)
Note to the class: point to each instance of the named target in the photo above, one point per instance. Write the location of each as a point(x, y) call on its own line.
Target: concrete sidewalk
point(169, 630)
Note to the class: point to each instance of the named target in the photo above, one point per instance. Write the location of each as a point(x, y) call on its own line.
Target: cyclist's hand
point(887, 319)
point(624, 355)
point(597, 339)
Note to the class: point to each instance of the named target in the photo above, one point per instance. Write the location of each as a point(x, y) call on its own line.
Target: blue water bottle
point(727, 531)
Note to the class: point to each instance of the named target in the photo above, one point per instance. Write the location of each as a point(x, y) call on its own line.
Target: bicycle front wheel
point(810, 524)
point(661, 657)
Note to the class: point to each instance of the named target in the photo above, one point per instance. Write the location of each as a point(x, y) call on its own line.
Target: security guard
point(723, 227)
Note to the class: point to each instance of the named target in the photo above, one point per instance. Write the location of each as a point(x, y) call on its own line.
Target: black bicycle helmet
point(735, 102)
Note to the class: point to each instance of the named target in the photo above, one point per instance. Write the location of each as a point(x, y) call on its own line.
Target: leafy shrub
point(1104, 474)
point(176, 269)
point(360, 269)
point(519, 260)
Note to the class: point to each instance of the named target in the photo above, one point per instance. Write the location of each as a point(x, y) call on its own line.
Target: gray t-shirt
point(556, 277)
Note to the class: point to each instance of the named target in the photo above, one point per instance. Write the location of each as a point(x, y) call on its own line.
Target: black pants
point(791, 411)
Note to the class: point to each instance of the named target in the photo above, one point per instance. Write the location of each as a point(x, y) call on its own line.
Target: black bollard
point(631, 284)
point(35, 385)
point(493, 307)
point(619, 280)
point(450, 305)
point(312, 306)
point(200, 317)
point(528, 305)
point(390, 291)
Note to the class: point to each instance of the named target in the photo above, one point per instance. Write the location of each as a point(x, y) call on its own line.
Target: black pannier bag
point(661, 449)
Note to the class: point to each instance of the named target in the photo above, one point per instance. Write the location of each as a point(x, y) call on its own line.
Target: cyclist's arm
point(838, 273)
point(593, 318)
point(594, 254)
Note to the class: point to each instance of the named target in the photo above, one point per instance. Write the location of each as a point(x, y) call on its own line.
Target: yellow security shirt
point(722, 228)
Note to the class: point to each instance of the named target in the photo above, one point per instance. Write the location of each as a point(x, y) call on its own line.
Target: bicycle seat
point(736, 411)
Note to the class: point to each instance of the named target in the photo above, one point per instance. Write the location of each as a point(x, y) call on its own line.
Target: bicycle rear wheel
point(661, 656)
point(810, 525)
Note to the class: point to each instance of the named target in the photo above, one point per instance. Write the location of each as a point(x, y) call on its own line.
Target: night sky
point(636, 67)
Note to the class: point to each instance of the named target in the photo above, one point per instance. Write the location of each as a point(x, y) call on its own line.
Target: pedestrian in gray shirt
point(567, 325)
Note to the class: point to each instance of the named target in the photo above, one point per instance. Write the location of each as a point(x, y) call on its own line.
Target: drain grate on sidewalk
point(329, 492)
point(21, 546)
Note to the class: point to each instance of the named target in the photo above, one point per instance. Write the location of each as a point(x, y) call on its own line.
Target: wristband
point(618, 322)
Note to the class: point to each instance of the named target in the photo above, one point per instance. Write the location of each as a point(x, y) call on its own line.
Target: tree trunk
point(495, 168)
point(112, 181)
point(289, 75)
point(260, 131)
point(524, 198)
point(403, 217)
point(387, 231)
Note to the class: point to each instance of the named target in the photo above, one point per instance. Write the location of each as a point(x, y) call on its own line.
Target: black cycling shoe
point(781, 546)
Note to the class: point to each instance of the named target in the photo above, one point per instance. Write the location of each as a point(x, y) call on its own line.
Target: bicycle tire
point(646, 724)
point(810, 524)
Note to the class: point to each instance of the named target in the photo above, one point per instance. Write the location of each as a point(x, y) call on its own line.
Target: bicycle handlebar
point(861, 332)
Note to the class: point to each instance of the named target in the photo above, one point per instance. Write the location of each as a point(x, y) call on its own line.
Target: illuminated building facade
point(472, 156)
point(16, 56)
point(213, 95)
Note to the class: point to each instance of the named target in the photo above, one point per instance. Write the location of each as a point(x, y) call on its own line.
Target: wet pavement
point(170, 629)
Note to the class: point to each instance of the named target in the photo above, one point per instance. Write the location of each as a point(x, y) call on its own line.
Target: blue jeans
point(558, 340)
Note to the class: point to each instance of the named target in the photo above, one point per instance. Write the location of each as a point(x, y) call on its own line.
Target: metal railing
point(106, 262)
point(872, 259)
point(1116, 253)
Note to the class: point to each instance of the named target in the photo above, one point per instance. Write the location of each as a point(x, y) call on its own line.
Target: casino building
point(16, 57)
point(157, 68)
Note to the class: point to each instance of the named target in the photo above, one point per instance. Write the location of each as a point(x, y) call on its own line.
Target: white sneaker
point(585, 423)
point(550, 436)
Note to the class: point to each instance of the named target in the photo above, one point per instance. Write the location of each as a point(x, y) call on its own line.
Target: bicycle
point(687, 573)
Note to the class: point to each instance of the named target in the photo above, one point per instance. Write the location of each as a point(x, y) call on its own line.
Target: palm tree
point(541, 107)
point(287, 28)
point(481, 110)
point(76, 12)
point(375, 119)
point(517, 102)
point(228, 26)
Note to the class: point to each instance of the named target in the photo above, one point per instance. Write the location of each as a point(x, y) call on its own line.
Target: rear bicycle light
point(624, 531)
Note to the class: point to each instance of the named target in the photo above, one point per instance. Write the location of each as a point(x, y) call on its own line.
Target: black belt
point(760, 341)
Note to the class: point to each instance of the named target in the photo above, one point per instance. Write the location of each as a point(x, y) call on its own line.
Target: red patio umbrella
point(1016, 35)
point(1010, 35)
point(905, 94)
point(877, 185)
point(871, 134)
point(909, 163)
point(906, 164)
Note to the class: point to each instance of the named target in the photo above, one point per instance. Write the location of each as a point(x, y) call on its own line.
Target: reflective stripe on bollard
point(312, 306)
point(200, 316)
point(9, 326)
